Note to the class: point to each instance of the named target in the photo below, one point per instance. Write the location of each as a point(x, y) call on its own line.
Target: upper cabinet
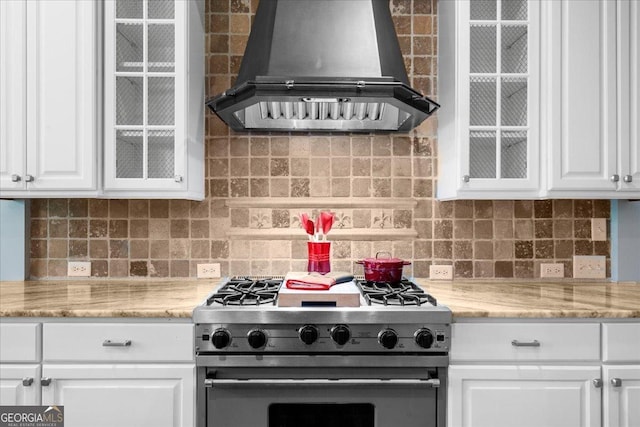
point(154, 98)
point(48, 98)
point(628, 37)
point(556, 116)
point(592, 84)
point(55, 61)
point(489, 76)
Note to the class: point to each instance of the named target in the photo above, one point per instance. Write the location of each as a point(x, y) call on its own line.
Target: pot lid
point(385, 259)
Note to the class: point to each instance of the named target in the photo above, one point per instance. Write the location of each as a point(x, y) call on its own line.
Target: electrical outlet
point(589, 267)
point(441, 272)
point(78, 269)
point(208, 271)
point(551, 270)
point(599, 229)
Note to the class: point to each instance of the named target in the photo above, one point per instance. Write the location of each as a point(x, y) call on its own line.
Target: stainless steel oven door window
point(326, 397)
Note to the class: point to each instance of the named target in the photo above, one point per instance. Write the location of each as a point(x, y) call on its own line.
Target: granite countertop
point(537, 299)
point(177, 298)
point(103, 298)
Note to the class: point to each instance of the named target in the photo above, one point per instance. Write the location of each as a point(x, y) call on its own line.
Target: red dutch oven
point(381, 269)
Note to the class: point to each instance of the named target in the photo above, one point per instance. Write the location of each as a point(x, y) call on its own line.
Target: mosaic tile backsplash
point(381, 188)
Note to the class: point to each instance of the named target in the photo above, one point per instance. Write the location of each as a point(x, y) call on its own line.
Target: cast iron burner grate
point(403, 293)
point(247, 291)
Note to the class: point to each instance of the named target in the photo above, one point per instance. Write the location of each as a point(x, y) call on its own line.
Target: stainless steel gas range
point(383, 363)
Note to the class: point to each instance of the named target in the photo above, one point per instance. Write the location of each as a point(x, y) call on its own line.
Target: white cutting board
point(341, 295)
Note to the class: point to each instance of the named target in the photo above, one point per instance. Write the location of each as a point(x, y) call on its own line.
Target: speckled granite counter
point(92, 298)
point(153, 299)
point(537, 300)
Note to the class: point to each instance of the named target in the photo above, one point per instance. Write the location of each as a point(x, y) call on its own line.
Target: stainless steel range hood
point(322, 65)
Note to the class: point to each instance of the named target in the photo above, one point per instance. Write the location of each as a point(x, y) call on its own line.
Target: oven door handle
point(432, 382)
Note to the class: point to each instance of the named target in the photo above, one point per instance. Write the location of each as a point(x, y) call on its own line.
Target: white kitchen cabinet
point(621, 396)
point(489, 76)
point(48, 102)
point(20, 363)
point(524, 396)
point(621, 374)
point(590, 77)
point(107, 395)
point(525, 374)
point(581, 118)
point(154, 99)
point(19, 384)
point(629, 96)
point(582, 97)
point(131, 374)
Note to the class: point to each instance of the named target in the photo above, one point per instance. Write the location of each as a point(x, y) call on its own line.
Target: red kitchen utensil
point(307, 224)
point(326, 219)
point(309, 227)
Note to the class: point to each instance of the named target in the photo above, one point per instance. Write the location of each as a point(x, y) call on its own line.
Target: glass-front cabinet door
point(502, 94)
point(145, 91)
point(489, 88)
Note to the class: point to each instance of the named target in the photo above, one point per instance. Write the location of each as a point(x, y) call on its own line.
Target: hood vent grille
point(293, 79)
point(322, 110)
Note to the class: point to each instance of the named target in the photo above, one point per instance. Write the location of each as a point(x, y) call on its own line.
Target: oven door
point(323, 397)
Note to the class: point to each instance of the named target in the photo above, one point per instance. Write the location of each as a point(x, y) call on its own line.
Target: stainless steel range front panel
point(292, 397)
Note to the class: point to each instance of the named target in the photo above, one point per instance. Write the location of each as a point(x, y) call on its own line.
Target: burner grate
point(247, 291)
point(403, 293)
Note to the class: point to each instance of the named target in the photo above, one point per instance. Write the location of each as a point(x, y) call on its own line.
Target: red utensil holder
point(319, 257)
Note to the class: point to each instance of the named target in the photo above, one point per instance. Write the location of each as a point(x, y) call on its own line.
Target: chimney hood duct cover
point(322, 65)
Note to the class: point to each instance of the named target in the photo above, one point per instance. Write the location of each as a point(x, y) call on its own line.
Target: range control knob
point(388, 338)
point(256, 338)
point(424, 338)
point(340, 334)
point(308, 334)
point(220, 338)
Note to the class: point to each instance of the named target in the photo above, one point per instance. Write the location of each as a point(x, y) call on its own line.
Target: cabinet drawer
point(621, 342)
point(525, 342)
point(19, 342)
point(118, 342)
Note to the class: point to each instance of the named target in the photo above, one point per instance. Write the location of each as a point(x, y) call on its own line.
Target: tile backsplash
point(381, 188)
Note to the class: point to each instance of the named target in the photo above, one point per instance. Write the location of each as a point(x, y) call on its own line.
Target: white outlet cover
point(441, 272)
point(208, 271)
point(551, 270)
point(78, 269)
point(589, 267)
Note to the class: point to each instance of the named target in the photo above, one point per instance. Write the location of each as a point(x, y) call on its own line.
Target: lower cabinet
point(123, 395)
point(116, 374)
point(124, 374)
point(544, 374)
point(524, 396)
point(621, 374)
point(622, 395)
point(19, 384)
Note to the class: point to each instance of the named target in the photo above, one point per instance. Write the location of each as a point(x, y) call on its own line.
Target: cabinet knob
point(16, 178)
point(178, 178)
point(597, 383)
point(29, 178)
point(628, 178)
point(27, 381)
point(466, 178)
point(616, 382)
point(615, 178)
point(45, 381)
